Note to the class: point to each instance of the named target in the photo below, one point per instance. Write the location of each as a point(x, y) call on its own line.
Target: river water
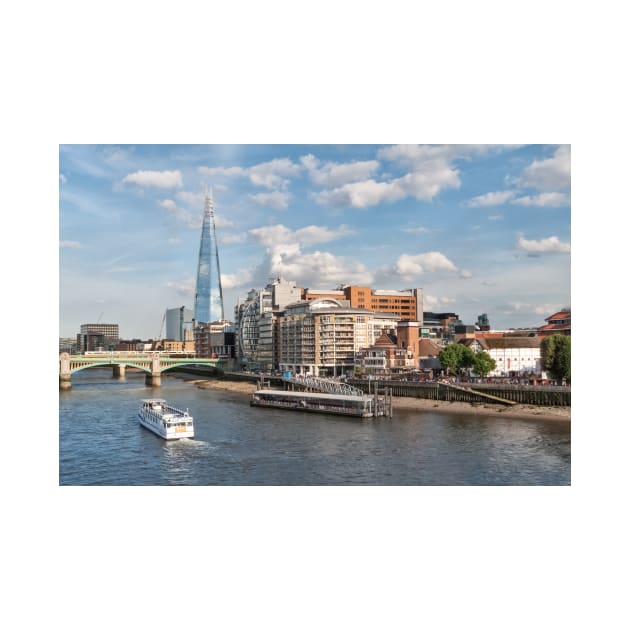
point(102, 443)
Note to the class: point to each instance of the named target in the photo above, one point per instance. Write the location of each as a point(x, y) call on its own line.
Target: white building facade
point(322, 337)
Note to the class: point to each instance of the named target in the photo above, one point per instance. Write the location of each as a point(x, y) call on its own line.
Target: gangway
point(324, 385)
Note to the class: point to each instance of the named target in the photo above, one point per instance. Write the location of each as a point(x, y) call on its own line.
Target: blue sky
point(482, 228)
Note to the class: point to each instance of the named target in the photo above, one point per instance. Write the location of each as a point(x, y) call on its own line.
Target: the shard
point(208, 290)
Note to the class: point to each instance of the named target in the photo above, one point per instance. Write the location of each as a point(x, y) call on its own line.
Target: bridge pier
point(65, 381)
point(119, 371)
point(154, 379)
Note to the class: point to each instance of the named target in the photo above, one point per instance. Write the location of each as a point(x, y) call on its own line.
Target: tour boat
point(339, 404)
point(165, 420)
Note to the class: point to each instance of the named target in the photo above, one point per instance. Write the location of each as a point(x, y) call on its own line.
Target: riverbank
point(525, 412)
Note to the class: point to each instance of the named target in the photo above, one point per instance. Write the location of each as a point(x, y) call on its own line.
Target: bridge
point(152, 363)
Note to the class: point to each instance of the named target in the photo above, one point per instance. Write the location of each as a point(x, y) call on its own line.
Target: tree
point(555, 352)
point(483, 364)
point(456, 356)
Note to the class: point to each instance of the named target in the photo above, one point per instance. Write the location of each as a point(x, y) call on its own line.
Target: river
point(102, 443)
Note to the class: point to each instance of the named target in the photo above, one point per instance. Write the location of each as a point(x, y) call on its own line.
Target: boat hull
point(167, 434)
point(298, 407)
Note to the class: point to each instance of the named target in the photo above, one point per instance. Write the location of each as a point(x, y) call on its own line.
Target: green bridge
point(152, 363)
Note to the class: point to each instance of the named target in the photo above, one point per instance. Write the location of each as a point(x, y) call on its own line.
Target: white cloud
point(239, 279)
point(550, 199)
point(464, 273)
point(274, 235)
point(277, 199)
point(185, 288)
point(155, 179)
point(272, 174)
point(318, 268)
point(335, 173)
point(190, 219)
point(539, 309)
point(416, 230)
point(551, 174)
point(495, 217)
point(414, 265)
point(70, 244)
point(285, 257)
point(551, 244)
point(62, 178)
point(360, 194)
point(436, 304)
point(431, 170)
point(491, 199)
point(230, 239)
point(194, 200)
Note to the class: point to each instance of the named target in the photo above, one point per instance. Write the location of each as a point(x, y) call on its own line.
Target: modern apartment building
point(406, 305)
point(97, 337)
point(322, 337)
point(255, 321)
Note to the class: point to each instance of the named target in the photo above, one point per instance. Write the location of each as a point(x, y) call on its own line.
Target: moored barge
point(338, 404)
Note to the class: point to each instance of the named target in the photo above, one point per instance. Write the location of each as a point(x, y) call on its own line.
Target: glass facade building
point(208, 290)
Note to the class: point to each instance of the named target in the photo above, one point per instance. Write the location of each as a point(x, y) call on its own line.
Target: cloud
point(192, 220)
point(230, 239)
point(185, 288)
point(155, 179)
point(430, 171)
point(464, 273)
point(318, 268)
point(495, 217)
point(552, 244)
point(335, 173)
point(274, 235)
point(436, 304)
point(272, 175)
point(418, 264)
point(551, 174)
point(284, 256)
point(69, 244)
point(550, 199)
point(239, 279)
point(277, 199)
point(191, 199)
point(62, 178)
point(416, 230)
point(525, 307)
point(491, 199)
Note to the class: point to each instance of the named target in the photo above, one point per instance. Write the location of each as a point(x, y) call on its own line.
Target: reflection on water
point(102, 443)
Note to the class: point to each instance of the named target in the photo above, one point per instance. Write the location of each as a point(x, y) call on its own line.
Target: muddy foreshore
point(531, 412)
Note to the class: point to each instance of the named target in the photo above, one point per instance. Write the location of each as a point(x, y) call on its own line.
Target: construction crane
point(159, 337)
point(99, 317)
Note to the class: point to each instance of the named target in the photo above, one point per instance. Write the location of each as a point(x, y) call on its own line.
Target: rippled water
point(102, 443)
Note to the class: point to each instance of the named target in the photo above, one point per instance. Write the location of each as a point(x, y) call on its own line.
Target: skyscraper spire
point(208, 291)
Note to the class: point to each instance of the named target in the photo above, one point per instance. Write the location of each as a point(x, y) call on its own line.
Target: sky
point(481, 228)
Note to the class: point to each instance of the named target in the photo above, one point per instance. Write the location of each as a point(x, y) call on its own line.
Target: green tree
point(456, 356)
point(483, 364)
point(555, 352)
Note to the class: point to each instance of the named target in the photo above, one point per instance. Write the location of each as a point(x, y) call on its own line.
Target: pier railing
point(503, 394)
point(324, 385)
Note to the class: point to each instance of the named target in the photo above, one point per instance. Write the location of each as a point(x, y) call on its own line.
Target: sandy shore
point(534, 412)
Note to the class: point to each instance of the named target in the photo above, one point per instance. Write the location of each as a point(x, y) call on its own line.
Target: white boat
point(165, 420)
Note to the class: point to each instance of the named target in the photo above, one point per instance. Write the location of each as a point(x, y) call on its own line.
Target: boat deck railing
point(324, 385)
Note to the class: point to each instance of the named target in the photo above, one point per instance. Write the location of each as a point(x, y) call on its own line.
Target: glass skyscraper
point(208, 290)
